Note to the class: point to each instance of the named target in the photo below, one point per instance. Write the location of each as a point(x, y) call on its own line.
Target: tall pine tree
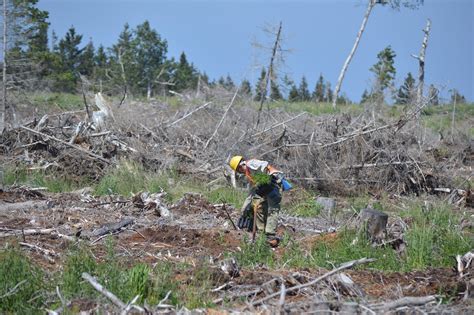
point(319, 90)
point(384, 71)
point(303, 91)
point(406, 93)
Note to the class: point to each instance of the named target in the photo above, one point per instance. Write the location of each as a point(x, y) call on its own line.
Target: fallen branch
point(189, 114)
point(103, 290)
point(13, 290)
point(330, 273)
point(222, 119)
point(36, 232)
point(42, 250)
point(406, 301)
point(67, 144)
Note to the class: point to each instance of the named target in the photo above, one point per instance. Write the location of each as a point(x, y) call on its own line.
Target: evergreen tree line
point(384, 77)
point(138, 64)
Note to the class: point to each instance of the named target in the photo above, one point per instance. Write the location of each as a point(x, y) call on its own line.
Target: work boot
point(273, 240)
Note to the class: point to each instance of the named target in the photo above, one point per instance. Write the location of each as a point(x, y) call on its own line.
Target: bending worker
point(264, 195)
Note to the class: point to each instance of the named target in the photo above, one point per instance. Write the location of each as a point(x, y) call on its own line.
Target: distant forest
point(138, 64)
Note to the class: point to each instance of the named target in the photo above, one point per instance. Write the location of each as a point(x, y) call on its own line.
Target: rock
point(328, 205)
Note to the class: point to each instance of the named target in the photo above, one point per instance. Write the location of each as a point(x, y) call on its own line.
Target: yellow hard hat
point(235, 161)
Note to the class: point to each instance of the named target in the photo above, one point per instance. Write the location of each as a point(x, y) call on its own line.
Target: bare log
point(103, 291)
point(407, 301)
point(328, 274)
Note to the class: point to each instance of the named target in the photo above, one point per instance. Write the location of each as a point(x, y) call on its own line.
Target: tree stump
point(327, 206)
point(374, 224)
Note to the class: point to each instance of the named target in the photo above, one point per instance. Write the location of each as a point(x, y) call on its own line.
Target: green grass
point(306, 208)
point(63, 101)
point(39, 178)
point(434, 237)
point(31, 287)
point(316, 108)
point(439, 118)
point(255, 254)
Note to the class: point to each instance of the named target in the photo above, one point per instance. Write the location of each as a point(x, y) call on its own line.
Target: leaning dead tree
point(395, 4)
point(370, 6)
point(264, 87)
point(421, 61)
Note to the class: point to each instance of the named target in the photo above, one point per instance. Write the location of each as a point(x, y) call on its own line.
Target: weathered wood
point(112, 227)
point(27, 232)
point(103, 290)
point(374, 223)
point(407, 301)
point(370, 6)
point(67, 144)
point(328, 274)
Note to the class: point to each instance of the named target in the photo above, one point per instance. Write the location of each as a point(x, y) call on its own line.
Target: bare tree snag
point(4, 78)
point(374, 223)
point(370, 6)
point(263, 89)
point(421, 61)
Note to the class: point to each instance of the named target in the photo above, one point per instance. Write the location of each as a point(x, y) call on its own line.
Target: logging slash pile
point(339, 155)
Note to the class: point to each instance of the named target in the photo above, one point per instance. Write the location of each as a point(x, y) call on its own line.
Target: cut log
point(374, 224)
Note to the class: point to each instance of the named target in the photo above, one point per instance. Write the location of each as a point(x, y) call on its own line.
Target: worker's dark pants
point(267, 208)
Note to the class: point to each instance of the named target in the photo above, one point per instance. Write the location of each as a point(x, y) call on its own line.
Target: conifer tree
point(365, 97)
point(294, 95)
point(246, 88)
point(329, 93)
point(185, 75)
point(229, 83)
point(319, 90)
point(456, 97)
point(406, 93)
point(86, 65)
point(384, 71)
point(303, 91)
point(149, 52)
point(100, 66)
point(275, 93)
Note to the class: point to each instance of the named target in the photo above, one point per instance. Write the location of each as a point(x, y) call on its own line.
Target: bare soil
point(197, 232)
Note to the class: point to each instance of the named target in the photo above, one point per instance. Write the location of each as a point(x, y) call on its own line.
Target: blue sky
point(217, 36)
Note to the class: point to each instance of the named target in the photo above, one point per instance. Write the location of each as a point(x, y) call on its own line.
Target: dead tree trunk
point(370, 6)
point(421, 70)
point(263, 89)
point(4, 81)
